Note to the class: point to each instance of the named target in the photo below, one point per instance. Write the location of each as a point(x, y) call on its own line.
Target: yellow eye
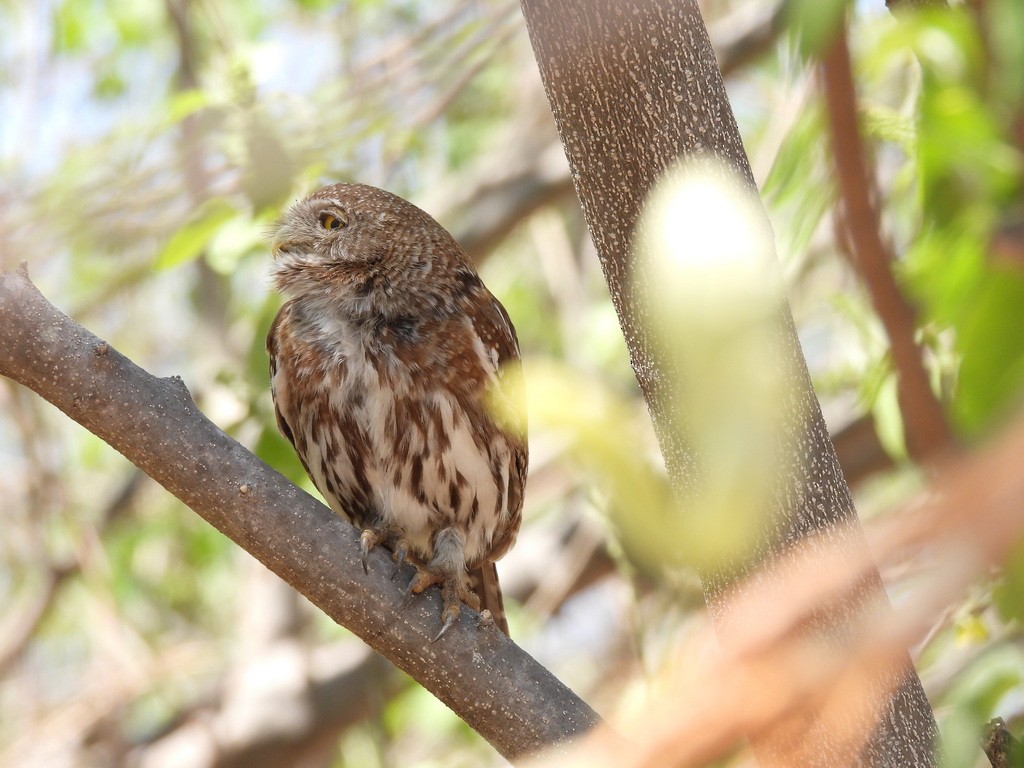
point(330, 221)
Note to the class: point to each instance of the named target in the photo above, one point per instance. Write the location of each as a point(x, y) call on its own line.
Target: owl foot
point(448, 569)
point(370, 538)
point(454, 592)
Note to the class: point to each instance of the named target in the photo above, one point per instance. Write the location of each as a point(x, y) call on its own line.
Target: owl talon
point(422, 580)
point(450, 616)
point(367, 541)
point(454, 592)
point(372, 537)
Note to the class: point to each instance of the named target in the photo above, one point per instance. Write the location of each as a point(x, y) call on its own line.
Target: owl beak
point(283, 245)
point(284, 241)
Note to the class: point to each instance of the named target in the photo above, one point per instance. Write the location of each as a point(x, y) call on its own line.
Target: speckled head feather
point(383, 254)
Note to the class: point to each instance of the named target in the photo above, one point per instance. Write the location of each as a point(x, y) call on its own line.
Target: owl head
point(364, 249)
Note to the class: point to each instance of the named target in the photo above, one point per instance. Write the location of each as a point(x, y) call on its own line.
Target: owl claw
point(382, 533)
point(401, 550)
point(422, 580)
point(448, 570)
point(367, 541)
point(453, 594)
point(450, 616)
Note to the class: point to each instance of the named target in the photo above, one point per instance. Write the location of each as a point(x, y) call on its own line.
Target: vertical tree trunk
point(634, 86)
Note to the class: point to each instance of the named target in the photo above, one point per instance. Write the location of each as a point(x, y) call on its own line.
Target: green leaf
point(977, 695)
point(992, 372)
point(1006, 30)
point(814, 22)
point(70, 27)
point(1009, 593)
point(185, 103)
point(236, 238)
point(188, 242)
point(889, 419)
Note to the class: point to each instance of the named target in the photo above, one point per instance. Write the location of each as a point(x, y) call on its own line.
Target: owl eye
point(331, 221)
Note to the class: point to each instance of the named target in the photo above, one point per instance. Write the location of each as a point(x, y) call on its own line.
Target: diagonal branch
point(491, 683)
point(924, 419)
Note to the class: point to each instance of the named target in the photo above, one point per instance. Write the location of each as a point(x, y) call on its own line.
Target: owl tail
point(484, 582)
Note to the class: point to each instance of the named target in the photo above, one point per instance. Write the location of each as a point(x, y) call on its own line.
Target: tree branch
point(500, 691)
point(737, 47)
point(1001, 749)
point(927, 432)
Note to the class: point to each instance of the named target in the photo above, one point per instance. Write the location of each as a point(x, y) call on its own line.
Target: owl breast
point(394, 430)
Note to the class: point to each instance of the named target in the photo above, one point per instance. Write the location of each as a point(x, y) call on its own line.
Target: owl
point(395, 375)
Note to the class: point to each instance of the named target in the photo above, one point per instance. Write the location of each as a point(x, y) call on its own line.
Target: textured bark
point(491, 683)
point(634, 87)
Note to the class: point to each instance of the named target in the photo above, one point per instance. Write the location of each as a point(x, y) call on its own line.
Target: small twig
point(23, 627)
point(999, 745)
point(927, 431)
point(494, 36)
point(736, 49)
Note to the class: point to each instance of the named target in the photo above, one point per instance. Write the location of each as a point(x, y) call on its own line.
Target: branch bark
point(634, 89)
point(499, 690)
point(1001, 749)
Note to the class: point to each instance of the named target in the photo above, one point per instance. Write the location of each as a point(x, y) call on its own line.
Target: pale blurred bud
point(706, 249)
point(710, 284)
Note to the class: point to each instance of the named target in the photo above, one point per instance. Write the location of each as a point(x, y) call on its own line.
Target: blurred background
point(145, 146)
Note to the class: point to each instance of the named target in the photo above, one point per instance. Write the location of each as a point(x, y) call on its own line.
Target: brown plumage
point(395, 374)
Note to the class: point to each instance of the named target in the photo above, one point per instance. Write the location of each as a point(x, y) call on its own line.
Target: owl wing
point(339, 476)
point(279, 393)
point(506, 401)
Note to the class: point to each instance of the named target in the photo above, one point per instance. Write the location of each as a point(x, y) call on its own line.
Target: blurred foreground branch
point(512, 701)
point(773, 680)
